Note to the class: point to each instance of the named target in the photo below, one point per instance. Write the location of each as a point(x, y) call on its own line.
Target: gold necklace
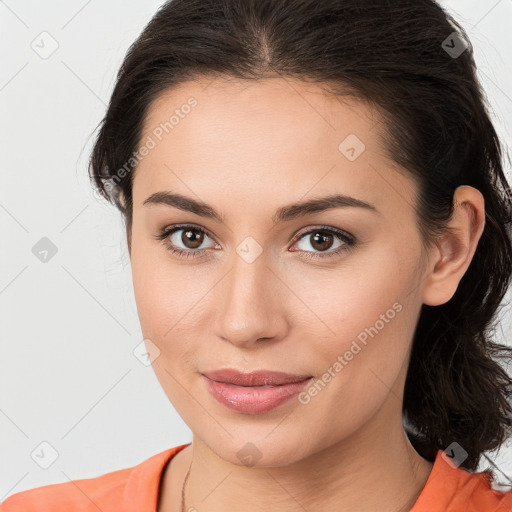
point(183, 489)
point(402, 509)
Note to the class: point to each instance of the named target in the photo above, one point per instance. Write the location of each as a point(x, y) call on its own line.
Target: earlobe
point(121, 199)
point(456, 247)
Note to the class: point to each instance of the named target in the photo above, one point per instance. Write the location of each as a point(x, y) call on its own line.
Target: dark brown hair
point(412, 61)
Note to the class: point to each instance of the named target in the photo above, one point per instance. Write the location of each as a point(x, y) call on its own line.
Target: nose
point(251, 304)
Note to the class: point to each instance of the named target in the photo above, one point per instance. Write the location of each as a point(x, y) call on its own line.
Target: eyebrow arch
point(283, 214)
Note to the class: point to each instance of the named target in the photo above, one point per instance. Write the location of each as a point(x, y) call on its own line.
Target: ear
point(117, 194)
point(119, 197)
point(122, 201)
point(456, 247)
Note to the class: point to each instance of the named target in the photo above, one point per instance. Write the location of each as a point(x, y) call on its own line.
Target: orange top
point(448, 489)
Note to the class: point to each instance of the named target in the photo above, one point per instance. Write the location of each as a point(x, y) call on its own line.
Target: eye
point(192, 237)
point(322, 239)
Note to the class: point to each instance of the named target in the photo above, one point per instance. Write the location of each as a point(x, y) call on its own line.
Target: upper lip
point(256, 378)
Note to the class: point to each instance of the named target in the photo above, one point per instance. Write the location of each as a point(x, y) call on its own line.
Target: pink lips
point(255, 392)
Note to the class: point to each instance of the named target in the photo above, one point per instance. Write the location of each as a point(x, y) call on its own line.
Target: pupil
point(322, 238)
point(188, 237)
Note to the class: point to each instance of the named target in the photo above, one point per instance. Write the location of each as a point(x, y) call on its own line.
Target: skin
point(248, 149)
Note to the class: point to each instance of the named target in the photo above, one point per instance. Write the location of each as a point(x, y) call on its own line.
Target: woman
point(319, 230)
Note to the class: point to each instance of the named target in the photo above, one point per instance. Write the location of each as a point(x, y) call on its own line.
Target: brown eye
point(322, 239)
point(192, 238)
point(188, 243)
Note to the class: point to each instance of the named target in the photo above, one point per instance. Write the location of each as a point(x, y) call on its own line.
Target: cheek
point(360, 292)
point(371, 311)
point(169, 296)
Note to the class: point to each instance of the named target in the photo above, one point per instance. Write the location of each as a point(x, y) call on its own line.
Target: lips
point(253, 393)
point(256, 378)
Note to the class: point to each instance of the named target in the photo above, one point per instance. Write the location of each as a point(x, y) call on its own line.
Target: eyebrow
point(283, 214)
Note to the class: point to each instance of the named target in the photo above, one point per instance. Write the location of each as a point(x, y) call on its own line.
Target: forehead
point(261, 107)
point(272, 136)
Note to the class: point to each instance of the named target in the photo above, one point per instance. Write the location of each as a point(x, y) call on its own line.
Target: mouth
point(256, 392)
point(256, 378)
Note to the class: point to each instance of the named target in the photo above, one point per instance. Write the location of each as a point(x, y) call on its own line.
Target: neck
point(369, 471)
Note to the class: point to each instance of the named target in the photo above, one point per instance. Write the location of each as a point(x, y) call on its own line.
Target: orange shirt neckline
point(447, 487)
point(136, 489)
point(143, 485)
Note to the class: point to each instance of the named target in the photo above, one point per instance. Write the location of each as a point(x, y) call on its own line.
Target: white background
point(69, 326)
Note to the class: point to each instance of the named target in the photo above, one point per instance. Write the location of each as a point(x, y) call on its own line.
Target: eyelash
point(348, 240)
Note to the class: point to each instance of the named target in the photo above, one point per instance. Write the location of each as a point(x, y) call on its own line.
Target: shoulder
point(454, 489)
point(83, 494)
point(124, 489)
point(478, 492)
point(490, 494)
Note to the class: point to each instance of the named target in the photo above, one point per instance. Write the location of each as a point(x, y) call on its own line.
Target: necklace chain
point(183, 488)
point(405, 507)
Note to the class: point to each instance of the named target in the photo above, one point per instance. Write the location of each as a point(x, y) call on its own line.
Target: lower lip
point(253, 399)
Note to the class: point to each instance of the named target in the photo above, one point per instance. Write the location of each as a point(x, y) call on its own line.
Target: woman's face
point(270, 286)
